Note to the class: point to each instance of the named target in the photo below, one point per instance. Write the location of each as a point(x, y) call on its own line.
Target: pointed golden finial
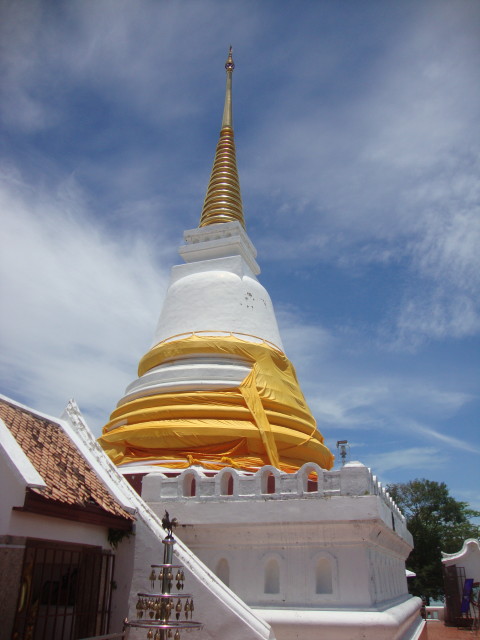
point(227, 111)
point(223, 202)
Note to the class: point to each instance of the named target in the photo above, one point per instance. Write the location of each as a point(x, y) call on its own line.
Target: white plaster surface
point(32, 525)
point(13, 493)
point(217, 288)
point(348, 523)
point(218, 241)
point(222, 612)
point(468, 557)
point(217, 295)
point(13, 456)
point(201, 372)
point(400, 621)
point(353, 480)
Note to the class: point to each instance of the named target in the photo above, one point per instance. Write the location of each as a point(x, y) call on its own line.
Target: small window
point(272, 576)
point(323, 576)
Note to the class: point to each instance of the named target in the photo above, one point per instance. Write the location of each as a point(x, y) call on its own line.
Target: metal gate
point(65, 592)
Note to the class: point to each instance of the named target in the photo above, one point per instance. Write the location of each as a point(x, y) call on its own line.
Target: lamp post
point(344, 449)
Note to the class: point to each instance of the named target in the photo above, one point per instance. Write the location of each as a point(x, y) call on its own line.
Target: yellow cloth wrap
point(264, 421)
point(249, 391)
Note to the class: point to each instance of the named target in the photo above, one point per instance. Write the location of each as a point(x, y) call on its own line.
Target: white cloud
point(79, 306)
point(347, 404)
point(435, 315)
point(471, 496)
point(388, 176)
point(347, 393)
point(143, 56)
point(461, 444)
point(305, 342)
point(444, 301)
point(342, 395)
point(414, 458)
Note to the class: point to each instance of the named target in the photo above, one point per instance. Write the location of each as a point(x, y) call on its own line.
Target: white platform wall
point(329, 561)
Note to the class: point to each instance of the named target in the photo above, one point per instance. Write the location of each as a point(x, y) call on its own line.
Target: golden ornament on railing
point(160, 605)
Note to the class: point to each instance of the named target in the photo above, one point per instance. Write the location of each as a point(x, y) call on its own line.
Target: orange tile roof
point(69, 478)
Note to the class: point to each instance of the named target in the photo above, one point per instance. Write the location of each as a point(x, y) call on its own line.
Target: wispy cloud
point(416, 459)
point(443, 301)
point(343, 395)
point(305, 342)
point(79, 305)
point(383, 400)
point(452, 442)
point(387, 176)
point(390, 176)
point(471, 496)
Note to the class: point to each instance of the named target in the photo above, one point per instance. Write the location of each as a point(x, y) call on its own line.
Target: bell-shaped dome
point(259, 418)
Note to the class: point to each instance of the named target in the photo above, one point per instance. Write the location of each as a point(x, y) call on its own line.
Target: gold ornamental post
point(223, 202)
point(165, 614)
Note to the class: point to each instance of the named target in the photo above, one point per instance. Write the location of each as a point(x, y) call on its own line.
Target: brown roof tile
point(68, 476)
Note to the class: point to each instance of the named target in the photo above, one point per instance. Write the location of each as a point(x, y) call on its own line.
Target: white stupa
point(216, 388)
point(217, 430)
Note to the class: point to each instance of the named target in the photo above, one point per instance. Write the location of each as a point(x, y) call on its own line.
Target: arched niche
point(272, 576)
point(310, 478)
point(268, 482)
point(222, 570)
point(323, 576)
point(226, 484)
point(189, 488)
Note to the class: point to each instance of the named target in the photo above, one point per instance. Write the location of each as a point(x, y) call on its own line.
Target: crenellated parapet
point(310, 482)
point(308, 540)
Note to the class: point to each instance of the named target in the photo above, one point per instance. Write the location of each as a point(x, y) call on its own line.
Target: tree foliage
point(437, 523)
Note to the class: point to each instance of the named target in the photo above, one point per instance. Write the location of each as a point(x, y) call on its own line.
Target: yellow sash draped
point(263, 421)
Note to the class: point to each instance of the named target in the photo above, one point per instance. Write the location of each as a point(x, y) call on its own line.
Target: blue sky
point(358, 138)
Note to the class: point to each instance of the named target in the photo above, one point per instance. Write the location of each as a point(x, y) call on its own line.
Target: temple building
point(216, 429)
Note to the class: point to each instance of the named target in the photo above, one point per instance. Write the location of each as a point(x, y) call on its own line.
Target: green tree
point(437, 523)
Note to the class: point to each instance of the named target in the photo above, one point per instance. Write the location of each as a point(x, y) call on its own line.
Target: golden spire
point(223, 202)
